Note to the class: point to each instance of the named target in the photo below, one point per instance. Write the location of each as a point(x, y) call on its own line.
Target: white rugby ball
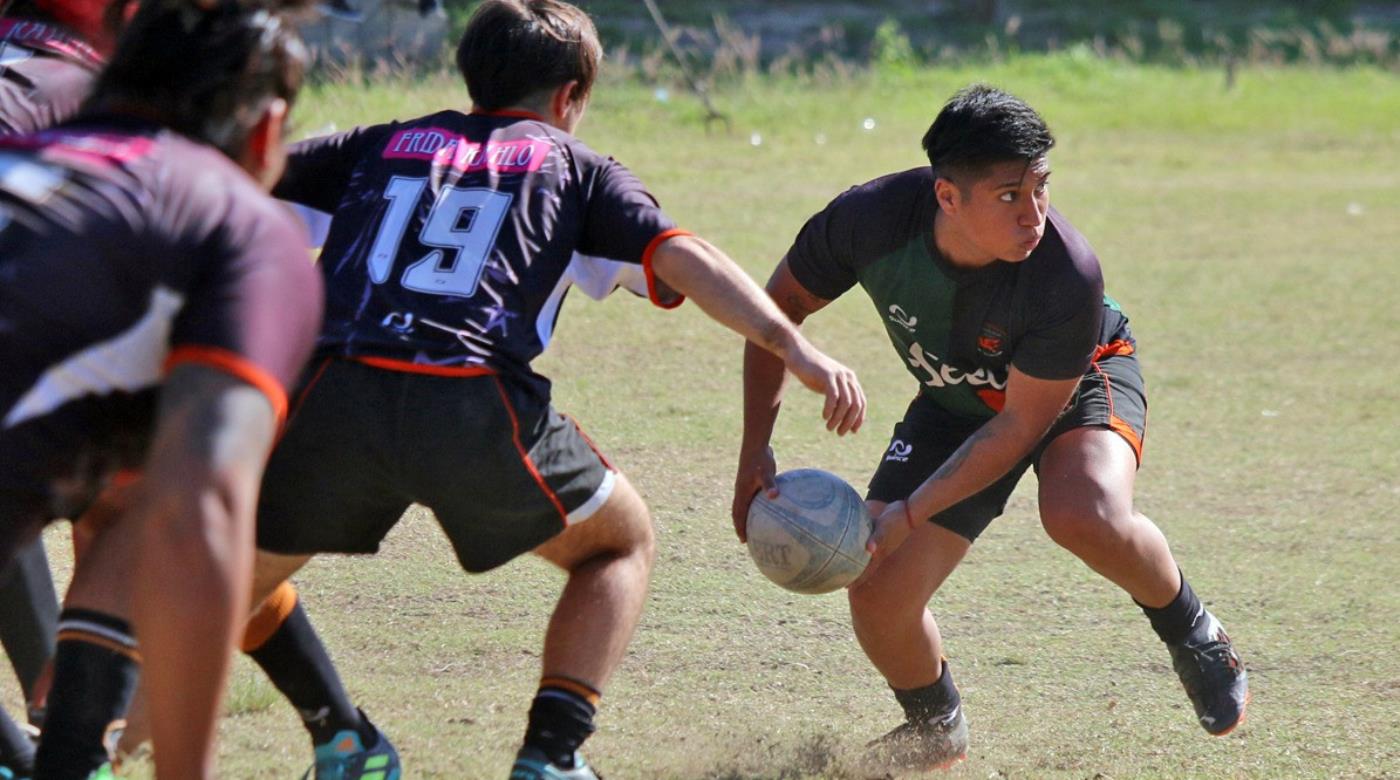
point(811, 538)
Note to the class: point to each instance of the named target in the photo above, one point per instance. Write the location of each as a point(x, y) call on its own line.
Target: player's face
point(1003, 213)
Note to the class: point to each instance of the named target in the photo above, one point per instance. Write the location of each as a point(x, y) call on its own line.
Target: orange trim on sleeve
point(651, 274)
point(271, 614)
point(389, 364)
point(237, 366)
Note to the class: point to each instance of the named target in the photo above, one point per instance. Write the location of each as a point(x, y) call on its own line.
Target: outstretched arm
point(707, 276)
point(1032, 405)
point(763, 391)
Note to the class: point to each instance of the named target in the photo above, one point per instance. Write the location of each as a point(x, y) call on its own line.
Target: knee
point(629, 536)
point(641, 542)
point(1083, 524)
point(874, 606)
point(635, 534)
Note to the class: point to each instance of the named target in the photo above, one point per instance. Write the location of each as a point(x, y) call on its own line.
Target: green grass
point(1252, 237)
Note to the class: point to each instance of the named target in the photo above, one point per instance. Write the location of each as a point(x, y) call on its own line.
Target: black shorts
point(499, 467)
point(1111, 395)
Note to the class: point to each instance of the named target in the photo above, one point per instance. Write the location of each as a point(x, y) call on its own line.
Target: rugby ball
point(811, 538)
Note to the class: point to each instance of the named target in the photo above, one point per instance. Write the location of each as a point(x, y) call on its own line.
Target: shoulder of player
point(885, 213)
point(1064, 252)
point(898, 202)
point(1064, 261)
point(217, 196)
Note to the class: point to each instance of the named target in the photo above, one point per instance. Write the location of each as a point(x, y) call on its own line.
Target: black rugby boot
point(1213, 676)
point(936, 743)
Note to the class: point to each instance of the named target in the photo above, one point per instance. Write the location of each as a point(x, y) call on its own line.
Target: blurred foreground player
point(155, 304)
point(50, 53)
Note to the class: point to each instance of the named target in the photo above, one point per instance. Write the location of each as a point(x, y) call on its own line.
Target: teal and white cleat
point(532, 764)
point(345, 757)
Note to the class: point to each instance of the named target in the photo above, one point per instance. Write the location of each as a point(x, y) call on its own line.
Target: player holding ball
point(996, 305)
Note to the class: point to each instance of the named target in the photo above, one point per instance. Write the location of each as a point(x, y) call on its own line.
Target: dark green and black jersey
point(958, 330)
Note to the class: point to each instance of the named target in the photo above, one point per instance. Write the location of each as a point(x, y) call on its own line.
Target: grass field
point(1254, 238)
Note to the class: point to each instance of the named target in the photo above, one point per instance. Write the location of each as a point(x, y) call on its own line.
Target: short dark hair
point(206, 71)
point(980, 127)
point(513, 49)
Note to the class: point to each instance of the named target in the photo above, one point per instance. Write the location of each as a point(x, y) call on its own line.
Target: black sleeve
point(621, 218)
point(318, 169)
point(1064, 331)
point(822, 258)
point(257, 299)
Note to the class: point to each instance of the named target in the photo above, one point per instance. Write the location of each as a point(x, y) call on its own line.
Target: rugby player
point(454, 240)
point(50, 52)
point(995, 304)
point(155, 304)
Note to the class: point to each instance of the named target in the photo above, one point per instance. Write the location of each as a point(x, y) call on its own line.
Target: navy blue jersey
point(455, 238)
point(958, 330)
point(45, 73)
point(126, 249)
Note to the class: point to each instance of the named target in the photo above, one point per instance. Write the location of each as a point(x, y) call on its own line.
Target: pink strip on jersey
point(447, 148)
point(96, 147)
point(44, 37)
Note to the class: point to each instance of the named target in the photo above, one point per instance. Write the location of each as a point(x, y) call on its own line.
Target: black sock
point(95, 669)
point(561, 718)
point(297, 663)
point(931, 702)
point(1174, 622)
point(16, 751)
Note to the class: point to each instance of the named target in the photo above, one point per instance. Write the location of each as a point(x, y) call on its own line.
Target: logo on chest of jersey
point(899, 317)
point(989, 342)
point(941, 374)
point(448, 149)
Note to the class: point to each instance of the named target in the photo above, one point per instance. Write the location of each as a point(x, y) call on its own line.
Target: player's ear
point(567, 103)
point(946, 193)
point(264, 156)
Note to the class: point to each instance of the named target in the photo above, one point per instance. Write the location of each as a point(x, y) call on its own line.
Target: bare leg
point(271, 570)
point(190, 581)
point(889, 605)
point(609, 558)
point(1086, 506)
point(267, 569)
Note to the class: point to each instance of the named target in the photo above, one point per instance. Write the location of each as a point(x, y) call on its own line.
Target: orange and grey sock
point(281, 639)
point(561, 718)
point(95, 669)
